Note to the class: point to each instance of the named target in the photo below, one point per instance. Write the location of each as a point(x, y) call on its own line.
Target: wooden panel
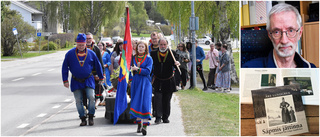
point(247, 111)
point(311, 40)
point(304, 6)
point(248, 127)
point(255, 25)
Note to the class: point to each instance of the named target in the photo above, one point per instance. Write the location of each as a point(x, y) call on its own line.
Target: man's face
point(89, 39)
point(163, 45)
point(154, 39)
point(284, 21)
point(81, 46)
point(211, 47)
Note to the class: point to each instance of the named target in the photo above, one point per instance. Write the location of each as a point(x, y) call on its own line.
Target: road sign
point(39, 34)
point(15, 32)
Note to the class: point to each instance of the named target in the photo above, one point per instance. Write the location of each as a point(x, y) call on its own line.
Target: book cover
point(279, 111)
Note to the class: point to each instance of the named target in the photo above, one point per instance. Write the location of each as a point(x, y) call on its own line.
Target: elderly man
point(164, 83)
point(284, 28)
point(81, 61)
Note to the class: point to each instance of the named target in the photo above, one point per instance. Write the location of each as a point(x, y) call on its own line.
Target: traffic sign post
point(39, 35)
point(15, 32)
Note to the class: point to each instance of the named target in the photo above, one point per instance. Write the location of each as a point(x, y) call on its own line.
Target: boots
point(83, 121)
point(91, 119)
point(144, 128)
point(139, 125)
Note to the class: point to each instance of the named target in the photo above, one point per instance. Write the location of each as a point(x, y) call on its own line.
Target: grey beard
point(163, 50)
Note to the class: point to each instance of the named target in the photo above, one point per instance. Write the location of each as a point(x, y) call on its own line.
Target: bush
point(61, 39)
point(52, 46)
point(166, 29)
point(69, 44)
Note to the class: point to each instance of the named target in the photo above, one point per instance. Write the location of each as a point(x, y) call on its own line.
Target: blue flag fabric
point(125, 61)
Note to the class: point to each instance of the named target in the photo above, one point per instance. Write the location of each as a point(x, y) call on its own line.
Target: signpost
point(193, 25)
point(39, 35)
point(15, 32)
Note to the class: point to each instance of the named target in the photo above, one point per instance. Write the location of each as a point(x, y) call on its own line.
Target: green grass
point(236, 63)
point(26, 55)
point(209, 114)
point(31, 54)
point(141, 35)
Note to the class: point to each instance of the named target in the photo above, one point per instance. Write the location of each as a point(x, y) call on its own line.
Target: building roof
point(26, 7)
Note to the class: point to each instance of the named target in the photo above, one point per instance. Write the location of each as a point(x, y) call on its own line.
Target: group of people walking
point(219, 64)
point(156, 69)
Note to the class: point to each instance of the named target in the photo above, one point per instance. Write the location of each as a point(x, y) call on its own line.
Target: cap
point(81, 38)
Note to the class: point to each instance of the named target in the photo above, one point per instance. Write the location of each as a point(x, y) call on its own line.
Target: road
point(34, 102)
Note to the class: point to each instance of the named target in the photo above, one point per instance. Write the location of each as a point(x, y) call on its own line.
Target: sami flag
point(121, 97)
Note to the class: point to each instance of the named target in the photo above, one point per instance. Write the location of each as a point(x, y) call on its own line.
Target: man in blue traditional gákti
point(80, 61)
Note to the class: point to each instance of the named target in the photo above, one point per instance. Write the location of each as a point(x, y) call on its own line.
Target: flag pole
point(174, 59)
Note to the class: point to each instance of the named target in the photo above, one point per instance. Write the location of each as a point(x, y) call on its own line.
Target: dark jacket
point(268, 62)
point(96, 50)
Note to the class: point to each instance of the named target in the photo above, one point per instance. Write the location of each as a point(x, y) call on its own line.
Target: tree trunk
point(224, 35)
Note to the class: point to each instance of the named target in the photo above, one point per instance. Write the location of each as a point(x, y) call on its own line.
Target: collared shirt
point(212, 55)
point(269, 62)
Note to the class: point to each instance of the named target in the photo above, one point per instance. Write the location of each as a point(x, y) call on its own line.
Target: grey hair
point(163, 39)
point(283, 7)
point(88, 33)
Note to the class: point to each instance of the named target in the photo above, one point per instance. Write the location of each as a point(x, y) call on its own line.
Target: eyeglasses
point(277, 34)
point(89, 38)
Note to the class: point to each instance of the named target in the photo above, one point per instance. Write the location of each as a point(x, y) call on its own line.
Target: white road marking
point(50, 69)
point(36, 74)
point(36, 126)
point(17, 79)
point(23, 125)
point(42, 115)
point(56, 106)
point(67, 100)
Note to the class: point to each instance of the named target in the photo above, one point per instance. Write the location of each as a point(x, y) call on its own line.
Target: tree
point(152, 12)
point(94, 14)
point(86, 16)
point(220, 18)
point(5, 11)
point(8, 40)
point(138, 16)
point(212, 16)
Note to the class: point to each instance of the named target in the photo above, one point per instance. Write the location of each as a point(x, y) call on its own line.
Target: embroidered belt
point(165, 78)
point(81, 80)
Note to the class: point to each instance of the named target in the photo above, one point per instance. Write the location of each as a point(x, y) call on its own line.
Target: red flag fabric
point(125, 62)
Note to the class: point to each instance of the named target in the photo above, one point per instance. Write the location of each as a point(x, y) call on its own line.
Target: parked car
point(205, 39)
point(108, 42)
point(115, 39)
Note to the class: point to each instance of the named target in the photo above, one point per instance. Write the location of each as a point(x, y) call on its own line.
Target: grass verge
point(31, 54)
point(141, 35)
point(209, 114)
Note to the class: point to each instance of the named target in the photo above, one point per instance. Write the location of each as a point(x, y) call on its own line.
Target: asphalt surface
point(34, 102)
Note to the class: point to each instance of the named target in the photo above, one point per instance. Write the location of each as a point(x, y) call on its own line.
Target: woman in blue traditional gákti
point(141, 88)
